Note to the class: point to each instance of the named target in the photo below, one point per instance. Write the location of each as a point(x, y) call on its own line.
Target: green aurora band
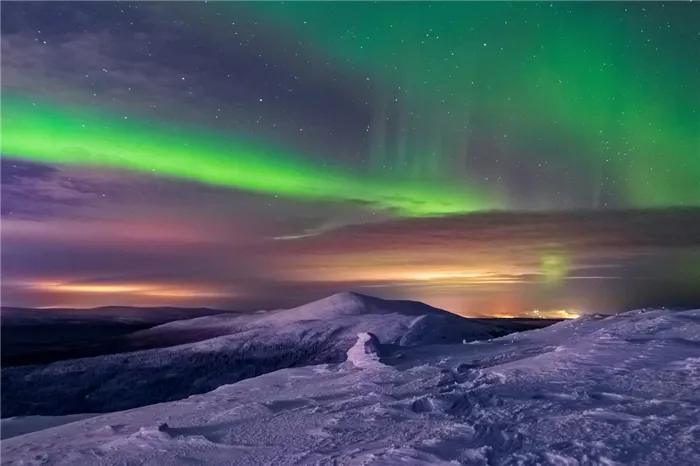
point(614, 90)
point(617, 82)
point(72, 136)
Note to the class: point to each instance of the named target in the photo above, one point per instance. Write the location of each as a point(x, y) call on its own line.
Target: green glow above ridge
point(56, 134)
point(555, 266)
point(619, 87)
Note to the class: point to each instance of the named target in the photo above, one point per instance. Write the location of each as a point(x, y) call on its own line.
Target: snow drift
point(594, 391)
point(365, 352)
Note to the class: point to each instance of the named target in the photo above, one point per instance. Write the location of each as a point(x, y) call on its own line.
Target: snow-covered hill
point(398, 322)
point(595, 391)
point(242, 346)
point(17, 316)
point(40, 336)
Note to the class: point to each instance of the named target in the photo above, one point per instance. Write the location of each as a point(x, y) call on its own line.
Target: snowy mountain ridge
point(224, 349)
point(352, 303)
point(619, 390)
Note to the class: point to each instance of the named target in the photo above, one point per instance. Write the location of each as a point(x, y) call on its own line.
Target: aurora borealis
point(84, 138)
point(218, 153)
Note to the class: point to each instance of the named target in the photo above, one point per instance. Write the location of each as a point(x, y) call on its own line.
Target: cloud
point(493, 261)
point(520, 243)
point(15, 171)
point(576, 230)
point(64, 66)
point(33, 190)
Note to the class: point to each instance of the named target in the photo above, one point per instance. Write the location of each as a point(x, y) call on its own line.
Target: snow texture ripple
point(594, 391)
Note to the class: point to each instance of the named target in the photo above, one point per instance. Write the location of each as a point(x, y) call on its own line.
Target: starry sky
point(490, 158)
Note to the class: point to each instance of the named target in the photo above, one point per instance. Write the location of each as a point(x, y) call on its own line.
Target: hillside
point(40, 336)
point(593, 391)
point(242, 346)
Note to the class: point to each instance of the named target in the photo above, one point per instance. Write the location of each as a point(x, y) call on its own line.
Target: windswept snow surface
point(594, 391)
point(14, 426)
point(247, 346)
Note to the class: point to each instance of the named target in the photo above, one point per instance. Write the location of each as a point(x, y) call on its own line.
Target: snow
point(14, 426)
point(405, 322)
point(247, 346)
point(594, 391)
point(365, 352)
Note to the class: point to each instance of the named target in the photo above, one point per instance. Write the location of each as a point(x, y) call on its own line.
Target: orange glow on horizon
point(131, 289)
point(498, 304)
point(567, 314)
point(468, 277)
point(402, 275)
point(542, 314)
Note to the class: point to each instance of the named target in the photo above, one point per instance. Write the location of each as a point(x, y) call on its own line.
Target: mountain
point(226, 348)
point(40, 336)
point(597, 390)
point(16, 316)
point(394, 321)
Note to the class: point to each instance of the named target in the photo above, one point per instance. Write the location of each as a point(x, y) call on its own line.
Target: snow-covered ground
point(245, 346)
point(594, 391)
point(14, 426)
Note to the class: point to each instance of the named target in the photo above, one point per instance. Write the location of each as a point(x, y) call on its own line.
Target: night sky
point(488, 158)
